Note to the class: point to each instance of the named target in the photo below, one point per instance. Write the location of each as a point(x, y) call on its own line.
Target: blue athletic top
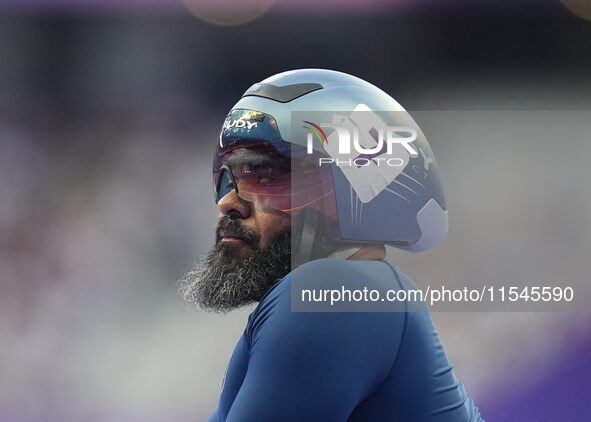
point(341, 366)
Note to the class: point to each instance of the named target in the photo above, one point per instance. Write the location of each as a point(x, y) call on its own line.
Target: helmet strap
point(306, 244)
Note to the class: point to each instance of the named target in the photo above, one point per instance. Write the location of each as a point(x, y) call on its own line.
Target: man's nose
point(232, 205)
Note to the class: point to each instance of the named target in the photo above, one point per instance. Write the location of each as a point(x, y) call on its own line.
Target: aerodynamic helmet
point(329, 143)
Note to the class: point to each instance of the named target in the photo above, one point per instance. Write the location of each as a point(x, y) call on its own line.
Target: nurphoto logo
point(347, 138)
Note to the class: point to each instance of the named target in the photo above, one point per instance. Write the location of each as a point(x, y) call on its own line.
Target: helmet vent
point(282, 94)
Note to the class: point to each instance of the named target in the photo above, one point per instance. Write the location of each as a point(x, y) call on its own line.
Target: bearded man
point(315, 208)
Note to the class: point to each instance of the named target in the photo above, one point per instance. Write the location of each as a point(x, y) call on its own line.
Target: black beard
point(221, 282)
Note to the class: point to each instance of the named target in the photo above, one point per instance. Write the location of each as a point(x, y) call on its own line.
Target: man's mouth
point(229, 236)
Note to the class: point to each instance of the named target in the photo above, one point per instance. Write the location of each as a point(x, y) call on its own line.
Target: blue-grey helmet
point(389, 191)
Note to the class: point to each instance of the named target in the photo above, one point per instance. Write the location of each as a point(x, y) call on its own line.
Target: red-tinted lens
point(275, 181)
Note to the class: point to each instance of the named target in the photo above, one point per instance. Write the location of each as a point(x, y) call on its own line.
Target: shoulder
point(274, 329)
point(276, 316)
point(329, 273)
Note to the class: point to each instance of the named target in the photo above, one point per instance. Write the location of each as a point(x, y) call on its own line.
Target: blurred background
point(109, 111)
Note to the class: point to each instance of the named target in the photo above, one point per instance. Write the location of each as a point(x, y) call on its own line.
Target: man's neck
point(372, 253)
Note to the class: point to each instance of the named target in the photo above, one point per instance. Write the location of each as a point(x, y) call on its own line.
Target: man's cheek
point(264, 209)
